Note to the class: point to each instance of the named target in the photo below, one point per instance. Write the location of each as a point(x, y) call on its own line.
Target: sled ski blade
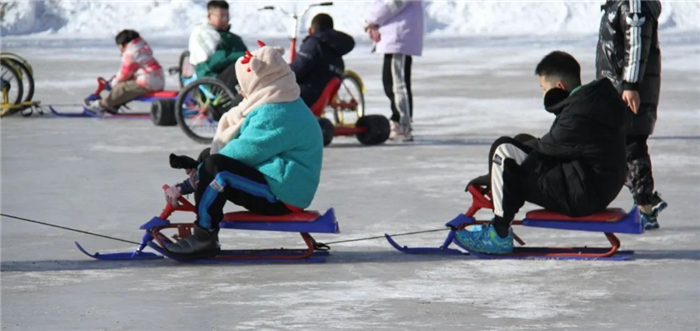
point(423, 250)
point(255, 256)
point(122, 256)
point(546, 253)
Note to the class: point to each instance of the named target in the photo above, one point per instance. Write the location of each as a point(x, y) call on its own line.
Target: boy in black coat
point(320, 57)
point(576, 169)
point(629, 55)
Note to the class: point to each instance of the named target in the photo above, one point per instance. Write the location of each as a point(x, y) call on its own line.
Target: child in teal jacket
point(266, 155)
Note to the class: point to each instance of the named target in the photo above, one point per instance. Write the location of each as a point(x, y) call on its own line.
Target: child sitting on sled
point(576, 169)
point(140, 74)
point(266, 155)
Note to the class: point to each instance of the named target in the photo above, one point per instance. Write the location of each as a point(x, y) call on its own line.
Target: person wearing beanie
point(266, 155)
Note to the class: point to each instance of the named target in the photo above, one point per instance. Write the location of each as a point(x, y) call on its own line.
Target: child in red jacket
point(140, 74)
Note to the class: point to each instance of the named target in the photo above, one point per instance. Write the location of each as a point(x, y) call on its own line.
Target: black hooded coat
point(319, 59)
point(579, 166)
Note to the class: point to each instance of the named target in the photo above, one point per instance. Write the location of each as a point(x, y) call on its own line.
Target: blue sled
point(609, 222)
point(302, 223)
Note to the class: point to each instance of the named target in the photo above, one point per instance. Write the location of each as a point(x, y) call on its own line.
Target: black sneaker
point(203, 243)
point(650, 221)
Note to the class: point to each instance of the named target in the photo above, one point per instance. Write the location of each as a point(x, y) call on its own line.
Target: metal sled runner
point(609, 222)
point(302, 222)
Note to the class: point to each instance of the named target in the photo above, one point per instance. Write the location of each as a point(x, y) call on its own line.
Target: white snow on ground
point(103, 19)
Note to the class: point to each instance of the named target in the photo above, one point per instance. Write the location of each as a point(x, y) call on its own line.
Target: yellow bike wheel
point(350, 100)
point(11, 88)
point(27, 79)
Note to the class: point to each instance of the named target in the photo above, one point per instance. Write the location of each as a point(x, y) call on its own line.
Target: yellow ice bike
point(16, 85)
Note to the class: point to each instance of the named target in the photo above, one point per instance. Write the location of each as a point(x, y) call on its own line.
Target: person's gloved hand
point(182, 162)
point(171, 196)
point(481, 181)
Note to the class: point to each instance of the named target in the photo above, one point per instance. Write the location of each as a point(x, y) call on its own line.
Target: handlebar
point(294, 15)
point(186, 204)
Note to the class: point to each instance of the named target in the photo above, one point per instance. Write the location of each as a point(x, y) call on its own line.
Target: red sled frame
point(608, 222)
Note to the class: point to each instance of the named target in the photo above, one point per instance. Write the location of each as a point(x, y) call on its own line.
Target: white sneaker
point(395, 130)
point(94, 107)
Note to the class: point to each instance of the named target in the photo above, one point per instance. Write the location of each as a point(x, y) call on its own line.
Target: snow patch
point(102, 19)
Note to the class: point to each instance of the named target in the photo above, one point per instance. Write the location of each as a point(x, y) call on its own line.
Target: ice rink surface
point(105, 176)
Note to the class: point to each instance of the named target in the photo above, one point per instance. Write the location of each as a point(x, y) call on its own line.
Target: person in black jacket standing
point(576, 169)
point(628, 54)
point(320, 57)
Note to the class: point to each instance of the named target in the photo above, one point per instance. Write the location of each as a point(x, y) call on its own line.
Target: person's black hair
point(322, 22)
point(126, 36)
point(562, 65)
point(217, 4)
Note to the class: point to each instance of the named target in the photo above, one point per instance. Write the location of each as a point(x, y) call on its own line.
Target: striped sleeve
point(638, 31)
point(634, 36)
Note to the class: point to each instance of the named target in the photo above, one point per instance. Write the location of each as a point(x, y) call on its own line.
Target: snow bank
point(102, 19)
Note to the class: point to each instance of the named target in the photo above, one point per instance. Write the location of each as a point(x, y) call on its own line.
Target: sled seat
point(612, 220)
point(150, 97)
point(326, 96)
point(243, 216)
point(304, 222)
point(608, 215)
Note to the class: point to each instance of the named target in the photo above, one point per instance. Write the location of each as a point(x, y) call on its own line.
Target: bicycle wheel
point(200, 105)
point(26, 77)
point(349, 103)
point(8, 55)
point(10, 88)
point(186, 68)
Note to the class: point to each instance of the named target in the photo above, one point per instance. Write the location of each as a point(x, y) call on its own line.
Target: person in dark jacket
point(628, 54)
point(576, 169)
point(320, 57)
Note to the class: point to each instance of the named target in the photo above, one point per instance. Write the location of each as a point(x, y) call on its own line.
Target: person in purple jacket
point(396, 27)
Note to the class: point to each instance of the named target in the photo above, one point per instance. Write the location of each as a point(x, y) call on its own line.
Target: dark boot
point(203, 243)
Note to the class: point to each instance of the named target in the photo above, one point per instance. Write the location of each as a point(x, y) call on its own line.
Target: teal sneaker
point(651, 221)
point(484, 239)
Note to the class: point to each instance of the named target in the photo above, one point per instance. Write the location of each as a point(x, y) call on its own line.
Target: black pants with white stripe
point(508, 180)
point(396, 77)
